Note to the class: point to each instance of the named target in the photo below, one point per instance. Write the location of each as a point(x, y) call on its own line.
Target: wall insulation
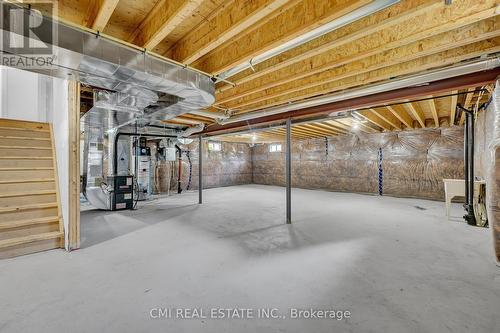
point(413, 164)
point(487, 159)
point(230, 166)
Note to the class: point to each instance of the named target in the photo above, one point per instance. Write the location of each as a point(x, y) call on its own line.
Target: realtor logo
point(28, 36)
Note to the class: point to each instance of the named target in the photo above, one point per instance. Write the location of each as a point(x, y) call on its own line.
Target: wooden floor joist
point(455, 33)
point(213, 36)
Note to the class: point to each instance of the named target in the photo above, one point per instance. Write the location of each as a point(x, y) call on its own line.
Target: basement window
point(214, 146)
point(275, 148)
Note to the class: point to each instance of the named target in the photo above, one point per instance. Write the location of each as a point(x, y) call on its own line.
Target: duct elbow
point(192, 130)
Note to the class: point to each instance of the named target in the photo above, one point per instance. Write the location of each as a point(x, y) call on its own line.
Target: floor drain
point(420, 208)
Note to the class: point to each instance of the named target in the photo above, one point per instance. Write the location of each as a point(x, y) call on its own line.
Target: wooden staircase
point(30, 211)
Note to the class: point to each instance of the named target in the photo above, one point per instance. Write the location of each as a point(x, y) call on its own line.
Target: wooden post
point(74, 165)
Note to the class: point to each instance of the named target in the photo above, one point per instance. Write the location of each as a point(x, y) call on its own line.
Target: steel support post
point(200, 169)
point(288, 171)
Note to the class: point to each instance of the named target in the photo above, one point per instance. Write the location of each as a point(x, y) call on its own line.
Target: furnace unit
point(143, 172)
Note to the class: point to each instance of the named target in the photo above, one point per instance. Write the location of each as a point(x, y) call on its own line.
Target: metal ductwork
point(139, 88)
point(191, 130)
point(210, 114)
point(410, 81)
point(104, 63)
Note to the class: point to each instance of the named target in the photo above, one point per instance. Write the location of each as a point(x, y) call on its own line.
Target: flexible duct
point(191, 130)
point(414, 80)
point(210, 114)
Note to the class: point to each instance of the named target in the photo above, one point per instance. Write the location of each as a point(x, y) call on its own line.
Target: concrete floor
point(396, 264)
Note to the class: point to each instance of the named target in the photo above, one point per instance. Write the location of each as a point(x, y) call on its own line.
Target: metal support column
point(288, 171)
point(200, 169)
point(466, 161)
point(469, 165)
point(470, 217)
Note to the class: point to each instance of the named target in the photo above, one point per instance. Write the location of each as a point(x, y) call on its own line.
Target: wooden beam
point(74, 165)
point(106, 9)
point(453, 107)
point(279, 29)
point(297, 79)
point(343, 124)
point(304, 134)
point(451, 32)
point(325, 128)
point(282, 131)
point(416, 112)
point(332, 127)
point(475, 79)
point(233, 18)
point(433, 61)
point(162, 20)
point(338, 124)
point(432, 107)
point(310, 129)
point(374, 119)
point(386, 18)
point(308, 132)
point(402, 115)
point(388, 117)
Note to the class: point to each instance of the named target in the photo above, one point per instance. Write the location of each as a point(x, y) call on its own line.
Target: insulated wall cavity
point(487, 162)
point(413, 163)
point(230, 166)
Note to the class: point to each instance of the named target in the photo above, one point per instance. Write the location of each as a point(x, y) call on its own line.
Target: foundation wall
point(230, 166)
point(487, 161)
point(414, 163)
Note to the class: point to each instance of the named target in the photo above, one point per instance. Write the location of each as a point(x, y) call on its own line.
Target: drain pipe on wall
point(179, 172)
point(469, 217)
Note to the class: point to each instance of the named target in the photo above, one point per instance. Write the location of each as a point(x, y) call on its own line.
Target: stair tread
point(22, 223)
point(28, 207)
point(25, 157)
point(25, 147)
point(26, 168)
point(30, 239)
point(27, 193)
point(23, 138)
point(24, 129)
point(33, 180)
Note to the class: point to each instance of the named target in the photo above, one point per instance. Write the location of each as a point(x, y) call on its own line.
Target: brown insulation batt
point(414, 163)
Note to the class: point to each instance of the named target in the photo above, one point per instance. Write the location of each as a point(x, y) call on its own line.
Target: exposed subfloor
point(396, 264)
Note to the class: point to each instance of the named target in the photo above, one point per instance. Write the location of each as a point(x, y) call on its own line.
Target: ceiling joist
point(416, 113)
point(234, 18)
point(162, 20)
point(276, 31)
point(106, 9)
point(344, 64)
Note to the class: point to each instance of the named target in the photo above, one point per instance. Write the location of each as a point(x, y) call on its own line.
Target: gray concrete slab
point(396, 264)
